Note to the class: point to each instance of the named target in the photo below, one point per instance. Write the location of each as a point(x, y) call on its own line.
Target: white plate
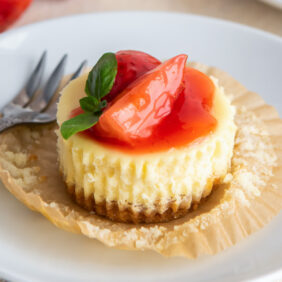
point(31, 248)
point(274, 3)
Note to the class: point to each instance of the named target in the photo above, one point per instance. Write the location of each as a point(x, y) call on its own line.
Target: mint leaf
point(102, 104)
point(89, 104)
point(78, 123)
point(102, 76)
point(99, 83)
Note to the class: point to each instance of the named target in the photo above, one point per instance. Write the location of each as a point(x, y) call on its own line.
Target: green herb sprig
point(99, 83)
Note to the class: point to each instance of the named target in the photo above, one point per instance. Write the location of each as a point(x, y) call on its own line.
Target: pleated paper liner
point(248, 200)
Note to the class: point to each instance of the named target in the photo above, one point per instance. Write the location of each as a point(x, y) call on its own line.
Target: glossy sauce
point(190, 119)
point(139, 109)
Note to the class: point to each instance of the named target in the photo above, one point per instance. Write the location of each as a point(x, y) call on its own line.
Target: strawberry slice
point(135, 113)
point(198, 86)
point(131, 65)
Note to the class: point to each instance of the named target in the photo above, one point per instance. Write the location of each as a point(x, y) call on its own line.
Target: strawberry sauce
point(190, 118)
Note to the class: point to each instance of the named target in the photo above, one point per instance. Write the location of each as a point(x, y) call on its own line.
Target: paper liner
point(29, 170)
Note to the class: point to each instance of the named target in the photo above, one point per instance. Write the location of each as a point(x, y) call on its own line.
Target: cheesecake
point(129, 171)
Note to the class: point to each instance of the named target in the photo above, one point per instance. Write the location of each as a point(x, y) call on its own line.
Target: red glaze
point(141, 107)
point(10, 11)
point(131, 65)
point(189, 118)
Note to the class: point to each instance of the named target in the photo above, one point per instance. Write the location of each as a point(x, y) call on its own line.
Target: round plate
point(31, 248)
point(274, 3)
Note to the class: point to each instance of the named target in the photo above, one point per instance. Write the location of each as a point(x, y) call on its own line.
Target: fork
point(29, 106)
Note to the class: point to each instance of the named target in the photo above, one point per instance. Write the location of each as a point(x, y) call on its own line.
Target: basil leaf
point(103, 104)
point(99, 83)
point(89, 104)
point(102, 76)
point(78, 123)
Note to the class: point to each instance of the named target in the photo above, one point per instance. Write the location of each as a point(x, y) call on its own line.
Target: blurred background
point(265, 15)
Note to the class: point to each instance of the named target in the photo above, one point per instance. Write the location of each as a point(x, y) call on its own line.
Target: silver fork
point(27, 107)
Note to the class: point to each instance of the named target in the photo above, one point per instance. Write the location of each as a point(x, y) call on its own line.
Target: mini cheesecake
point(155, 180)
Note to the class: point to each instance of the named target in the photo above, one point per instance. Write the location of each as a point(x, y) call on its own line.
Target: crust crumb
point(36, 169)
point(32, 157)
point(42, 178)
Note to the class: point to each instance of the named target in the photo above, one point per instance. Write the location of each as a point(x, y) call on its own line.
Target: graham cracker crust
point(128, 214)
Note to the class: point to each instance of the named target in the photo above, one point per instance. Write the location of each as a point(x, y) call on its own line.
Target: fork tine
point(49, 90)
point(33, 83)
point(78, 71)
point(52, 109)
